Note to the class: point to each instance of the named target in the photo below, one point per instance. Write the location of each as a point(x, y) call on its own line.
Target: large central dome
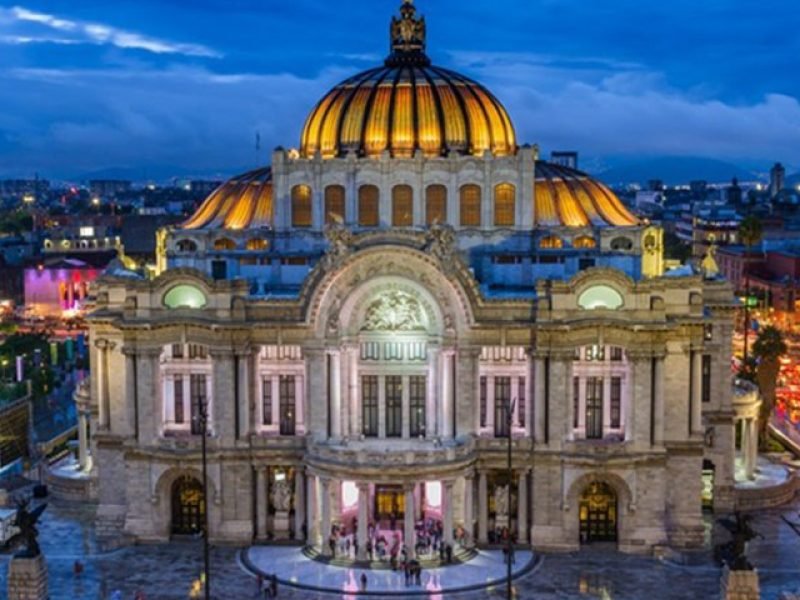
point(407, 105)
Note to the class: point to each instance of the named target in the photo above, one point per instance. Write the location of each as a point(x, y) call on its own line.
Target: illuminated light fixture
point(28, 198)
point(185, 296)
point(601, 296)
point(96, 201)
point(433, 493)
point(349, 495)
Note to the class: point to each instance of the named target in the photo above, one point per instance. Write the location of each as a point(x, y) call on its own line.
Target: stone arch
point(162, 500)
point(620, 487)
point(332, 300)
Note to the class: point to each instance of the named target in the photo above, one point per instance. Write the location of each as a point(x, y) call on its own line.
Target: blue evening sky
point(87, 85)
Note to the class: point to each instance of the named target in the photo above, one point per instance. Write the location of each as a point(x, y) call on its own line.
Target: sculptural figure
point(281, 496)
point(26, 521)
point(501, 501)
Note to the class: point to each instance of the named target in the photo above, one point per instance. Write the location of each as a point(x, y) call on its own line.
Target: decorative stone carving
point(281, 496)
point(501, 501)
point(340, 245)
point(440, 242)
point(395, 311)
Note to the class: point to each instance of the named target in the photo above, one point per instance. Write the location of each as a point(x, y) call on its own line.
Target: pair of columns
point(263, 499)
point(483, 506)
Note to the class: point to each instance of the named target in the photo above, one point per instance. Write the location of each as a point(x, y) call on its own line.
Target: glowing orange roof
point(570, 198)
point(408, 105)
point(243, 202)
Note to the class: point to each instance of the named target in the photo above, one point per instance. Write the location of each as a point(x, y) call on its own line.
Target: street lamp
point(202, 420)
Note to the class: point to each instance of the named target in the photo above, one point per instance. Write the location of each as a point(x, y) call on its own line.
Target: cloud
point(93, 33)
point(610, 109)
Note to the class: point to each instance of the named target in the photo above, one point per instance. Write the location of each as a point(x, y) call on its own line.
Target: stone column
point(530, 394)
point(132, 394)
point(433, 400)
point(325, 516)
point(469, 509)
point(299, 504)
point(410, 521)
point(103, 417)
point(483, 509)
point(446, 400)
point(244, 400)
point(261, 503)
point(658, 404)
point(697, 392)
point(539, 399)
point(522, 507)
point(336, 393)
point(447, 511)
point(83, 438)
point(363, 520)
point(312, 499)
point(352, 352)
point(751, 449)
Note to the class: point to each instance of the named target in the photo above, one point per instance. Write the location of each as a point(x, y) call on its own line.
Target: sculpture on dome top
point(408, 32)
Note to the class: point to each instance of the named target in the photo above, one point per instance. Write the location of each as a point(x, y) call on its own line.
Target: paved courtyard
point(169, 572)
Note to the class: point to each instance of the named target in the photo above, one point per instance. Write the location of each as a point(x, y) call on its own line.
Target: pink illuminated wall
point(51, 291)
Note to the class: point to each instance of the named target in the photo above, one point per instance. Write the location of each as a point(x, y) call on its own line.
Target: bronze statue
point(734, 552)
point(26, 522)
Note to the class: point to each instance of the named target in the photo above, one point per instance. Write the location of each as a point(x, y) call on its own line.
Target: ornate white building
point(360, 317)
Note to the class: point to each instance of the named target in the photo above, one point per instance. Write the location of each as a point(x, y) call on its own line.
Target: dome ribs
point(371, 103)
point(444, 146)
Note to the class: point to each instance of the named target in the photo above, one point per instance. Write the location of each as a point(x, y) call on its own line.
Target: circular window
point(185, 296)
point(600, 296)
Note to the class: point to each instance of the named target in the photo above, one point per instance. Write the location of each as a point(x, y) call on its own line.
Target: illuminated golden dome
point(406, 105)
point(243, 202)
point(570, 198)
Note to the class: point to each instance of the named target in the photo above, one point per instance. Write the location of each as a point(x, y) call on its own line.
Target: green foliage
point(770, 345)
point(750, 231)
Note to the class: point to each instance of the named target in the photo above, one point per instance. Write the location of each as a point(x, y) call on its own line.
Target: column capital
point(221, 353)
point(104, 344)
point(409, 488)
point(244, 351)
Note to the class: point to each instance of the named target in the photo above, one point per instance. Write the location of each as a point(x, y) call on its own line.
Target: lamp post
point(202, 418)
point(509, 545)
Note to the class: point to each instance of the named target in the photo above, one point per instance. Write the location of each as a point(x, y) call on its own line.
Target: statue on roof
point(709, 264)
point(408, 32)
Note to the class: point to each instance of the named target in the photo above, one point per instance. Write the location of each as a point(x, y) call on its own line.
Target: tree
point(768, 349)
point(750, 232)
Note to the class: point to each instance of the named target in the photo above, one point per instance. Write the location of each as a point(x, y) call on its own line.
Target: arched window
point(334, 204)
point(186, 246)
point(301, 206)
point(402, 206)
point(551, 243)
point(584, 242)
point(505, 205)
point(257, 244)
point(368, 206)
point(470, 206)
point(436, 204)
point(224, 244)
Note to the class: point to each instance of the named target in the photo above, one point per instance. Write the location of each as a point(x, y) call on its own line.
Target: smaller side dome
point(571, 198)
point(240, 203)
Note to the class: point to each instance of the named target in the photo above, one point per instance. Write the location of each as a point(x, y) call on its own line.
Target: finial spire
point(407, 36)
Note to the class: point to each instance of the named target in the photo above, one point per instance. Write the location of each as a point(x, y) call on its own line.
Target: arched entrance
point(187, 506)
point(598, 514)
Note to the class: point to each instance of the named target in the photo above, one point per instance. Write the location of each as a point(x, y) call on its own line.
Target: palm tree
point(750, 233)
point(768, 349)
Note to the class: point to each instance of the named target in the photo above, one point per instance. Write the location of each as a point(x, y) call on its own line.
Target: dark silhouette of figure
point(734, 552)
point(26, 522)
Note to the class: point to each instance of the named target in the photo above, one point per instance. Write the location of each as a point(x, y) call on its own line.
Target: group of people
point(268, 586)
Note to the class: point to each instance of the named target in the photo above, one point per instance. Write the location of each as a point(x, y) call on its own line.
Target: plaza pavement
point(168, 572)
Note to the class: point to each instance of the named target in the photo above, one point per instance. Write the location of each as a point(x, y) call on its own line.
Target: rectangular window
point(178, 399)
point(198, 401)
point(197, 351)
point(177, 350)
point(219, 270)
point(576, 402)
point(616, 354)
point(483, 402)
point(417, 399)
point(266, 401)
point(394, 406)
point(521, 402)
point(502, 402)
point(706, 389)
point(594, 408)
point(616, 402)
point(288, 401)
point(369, 405)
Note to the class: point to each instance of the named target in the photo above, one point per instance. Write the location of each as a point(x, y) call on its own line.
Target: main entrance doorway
point(598, 514)
point(187, 506)
point(390, 501)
